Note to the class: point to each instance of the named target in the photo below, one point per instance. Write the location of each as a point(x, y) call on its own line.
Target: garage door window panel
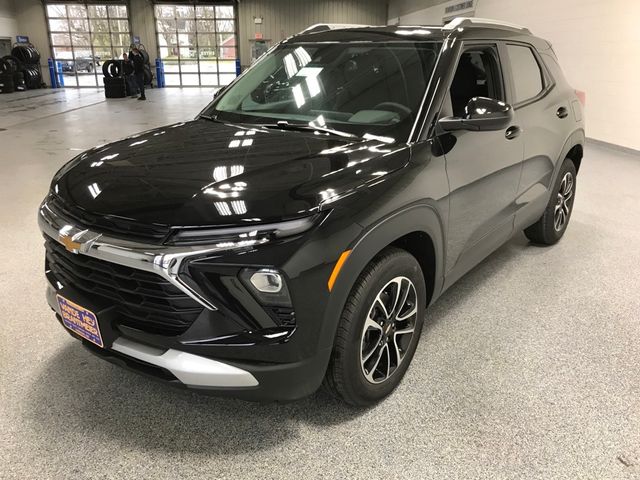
point(172, 79)
point(60, 39)
point(209, 80)
point(117, 11)
point(119, 26)
point(59, 25)
point(57, 11)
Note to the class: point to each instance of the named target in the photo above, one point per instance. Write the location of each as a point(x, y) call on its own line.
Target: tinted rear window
point(527, 76)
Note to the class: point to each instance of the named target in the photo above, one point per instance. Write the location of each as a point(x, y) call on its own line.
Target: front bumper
point(191, 370)
point(255, 381)
point(264, 363)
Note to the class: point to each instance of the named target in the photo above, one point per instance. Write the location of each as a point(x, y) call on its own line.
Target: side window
point(477, 75)
point(527, 76)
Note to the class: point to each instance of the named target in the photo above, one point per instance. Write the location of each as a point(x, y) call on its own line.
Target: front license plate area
point(80, 321)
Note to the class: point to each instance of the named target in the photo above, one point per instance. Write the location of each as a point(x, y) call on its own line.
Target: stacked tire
point(115, 87)
point(32, 77)
point(115, 84)
point(9, 70)
point(18, 82)
point(26, 54)
point(25, 63)
point(6, 83)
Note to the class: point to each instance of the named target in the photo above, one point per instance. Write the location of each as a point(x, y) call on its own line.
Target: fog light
point(267, 285)
point(267, 281)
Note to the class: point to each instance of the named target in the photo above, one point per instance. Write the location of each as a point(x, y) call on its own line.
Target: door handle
point(562, 112)
point(512, 132)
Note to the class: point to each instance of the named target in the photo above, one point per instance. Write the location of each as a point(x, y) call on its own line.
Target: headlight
point(245, 235)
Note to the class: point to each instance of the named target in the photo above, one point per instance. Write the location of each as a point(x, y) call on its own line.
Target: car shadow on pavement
point(79, 395)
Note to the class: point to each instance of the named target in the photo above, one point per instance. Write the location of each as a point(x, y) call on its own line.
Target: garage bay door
point(83, 36)
point(197, 43)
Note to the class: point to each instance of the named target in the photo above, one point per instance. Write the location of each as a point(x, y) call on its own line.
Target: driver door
point(483, 167)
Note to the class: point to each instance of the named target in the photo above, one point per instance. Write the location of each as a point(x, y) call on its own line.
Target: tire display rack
point(21, 70)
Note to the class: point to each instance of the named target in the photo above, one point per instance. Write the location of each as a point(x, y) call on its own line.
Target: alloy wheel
point(563, 203)
point(388, 330)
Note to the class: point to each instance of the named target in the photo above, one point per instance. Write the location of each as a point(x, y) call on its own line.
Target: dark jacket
point(137, 61)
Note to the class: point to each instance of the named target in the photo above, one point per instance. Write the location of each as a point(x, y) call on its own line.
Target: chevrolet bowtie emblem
point(70, 244)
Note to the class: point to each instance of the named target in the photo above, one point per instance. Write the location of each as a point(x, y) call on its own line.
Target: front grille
point(144, 300)
point(113, 225)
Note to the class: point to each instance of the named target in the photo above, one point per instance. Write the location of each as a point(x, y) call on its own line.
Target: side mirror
point(480, 114)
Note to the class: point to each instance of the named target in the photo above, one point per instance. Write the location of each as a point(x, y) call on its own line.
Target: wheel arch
point(420, 244)
point(575, 155)
point(573, 149)
point(417, 229)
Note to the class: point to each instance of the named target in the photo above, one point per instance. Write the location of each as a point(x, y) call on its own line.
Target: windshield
point(358, 88)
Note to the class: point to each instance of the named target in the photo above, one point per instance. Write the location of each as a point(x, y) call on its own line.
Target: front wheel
point(379, 329)
point(550, 228)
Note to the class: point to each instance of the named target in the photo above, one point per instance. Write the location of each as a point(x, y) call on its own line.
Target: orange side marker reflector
point(337, 267)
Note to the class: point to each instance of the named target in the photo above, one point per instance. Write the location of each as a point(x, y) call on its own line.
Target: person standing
point(130, 78)
point(137, 59)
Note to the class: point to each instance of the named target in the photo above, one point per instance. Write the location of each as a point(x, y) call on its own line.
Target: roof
point(462, 27)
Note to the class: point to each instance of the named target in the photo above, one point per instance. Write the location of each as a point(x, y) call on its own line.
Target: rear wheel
point(551, 226)
point(379, 329)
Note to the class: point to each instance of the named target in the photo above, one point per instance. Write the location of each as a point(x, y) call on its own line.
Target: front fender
point(418, 217)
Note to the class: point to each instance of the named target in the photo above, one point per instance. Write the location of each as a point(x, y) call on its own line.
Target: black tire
point(6, 68)
point(346, 376)
point(90, 68)
point(6, 83)
point(545, 231)
point(18, 82)
point(113, 81)
point(26, 54)
point(32, 77)
point(114, 87)
point(105, 69)
point(112, 68)
point(10, 64)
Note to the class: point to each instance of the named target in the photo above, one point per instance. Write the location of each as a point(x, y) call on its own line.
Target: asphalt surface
point(528, 367)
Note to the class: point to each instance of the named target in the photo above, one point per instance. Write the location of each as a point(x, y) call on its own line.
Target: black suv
point(294, 233)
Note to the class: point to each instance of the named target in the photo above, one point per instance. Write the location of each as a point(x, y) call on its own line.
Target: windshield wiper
point(284, 125)
point(213, 118)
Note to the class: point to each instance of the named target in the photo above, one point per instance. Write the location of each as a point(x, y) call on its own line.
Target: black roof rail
point(462, 22)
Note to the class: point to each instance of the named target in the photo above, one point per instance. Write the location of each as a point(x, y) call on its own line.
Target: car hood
point(207, 173)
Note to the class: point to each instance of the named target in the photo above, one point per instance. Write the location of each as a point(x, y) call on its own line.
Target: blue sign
point(136, 39)
point(22, 39)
